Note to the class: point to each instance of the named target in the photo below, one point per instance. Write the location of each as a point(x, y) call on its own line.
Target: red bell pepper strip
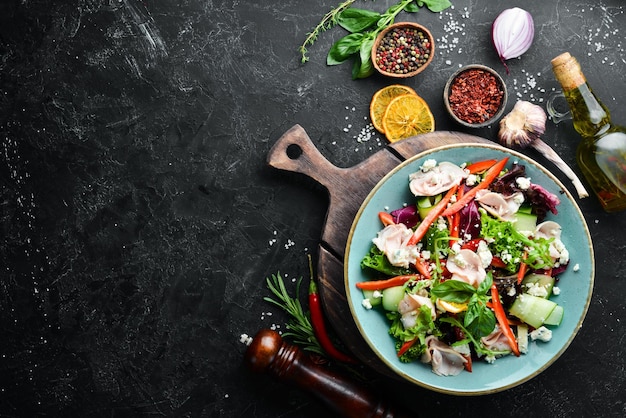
point(480, 166)
point(386, 218)
point(472, 244)
point(405, 347)
point(468, 363)
point(428, 220)
point(422, 267)
point(386, 283)
point(455, 220)
point(498, 310)
point(523, 267)
point(497, 262)
point(489, 177)
point(319, 327)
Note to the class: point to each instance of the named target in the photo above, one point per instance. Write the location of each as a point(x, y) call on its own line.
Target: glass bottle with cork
point(601, 155)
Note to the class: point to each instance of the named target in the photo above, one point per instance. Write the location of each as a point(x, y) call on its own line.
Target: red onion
point(512, 33)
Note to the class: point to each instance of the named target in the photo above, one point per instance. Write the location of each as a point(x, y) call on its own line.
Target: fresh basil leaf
point(453, 291)
point(485, 286)
point(412, 7)
point(479, 320)
point(362, 69)
point(357, 20)
point(344, 48)
point(435, 5)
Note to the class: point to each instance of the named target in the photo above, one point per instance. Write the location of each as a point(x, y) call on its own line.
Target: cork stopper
point(567, 71)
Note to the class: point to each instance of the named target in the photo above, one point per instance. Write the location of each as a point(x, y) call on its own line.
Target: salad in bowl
point(467, 271)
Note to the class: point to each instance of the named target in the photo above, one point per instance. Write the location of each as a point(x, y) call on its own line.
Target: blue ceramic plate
point(576, 286)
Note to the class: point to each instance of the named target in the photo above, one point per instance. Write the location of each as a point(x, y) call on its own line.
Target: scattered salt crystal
point(245, 339)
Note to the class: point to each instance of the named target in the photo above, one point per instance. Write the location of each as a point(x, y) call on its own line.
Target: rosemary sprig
point(299, 326)
point(328, 21)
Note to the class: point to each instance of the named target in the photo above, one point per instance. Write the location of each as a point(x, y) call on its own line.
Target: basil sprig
point(478, 319)
point(364, 26)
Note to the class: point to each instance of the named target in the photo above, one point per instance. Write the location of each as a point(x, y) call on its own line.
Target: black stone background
point(139, 219)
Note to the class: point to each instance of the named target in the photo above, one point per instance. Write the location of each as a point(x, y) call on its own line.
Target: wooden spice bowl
point(415, 51)
point(475, 96)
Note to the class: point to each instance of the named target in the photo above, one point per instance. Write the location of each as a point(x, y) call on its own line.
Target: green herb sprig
point(328, 22)
point(299, 327)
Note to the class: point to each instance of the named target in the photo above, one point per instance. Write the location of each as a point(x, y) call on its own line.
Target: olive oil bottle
point(601, 155)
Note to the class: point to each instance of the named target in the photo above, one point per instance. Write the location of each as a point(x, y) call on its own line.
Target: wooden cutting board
point(347, 189)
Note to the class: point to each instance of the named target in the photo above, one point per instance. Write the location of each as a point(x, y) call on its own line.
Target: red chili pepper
point(498, 310)
point(319, 327)
point(386, 283)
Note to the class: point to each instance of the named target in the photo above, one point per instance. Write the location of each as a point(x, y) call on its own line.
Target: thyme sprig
point(299, 326)
point(328, 22)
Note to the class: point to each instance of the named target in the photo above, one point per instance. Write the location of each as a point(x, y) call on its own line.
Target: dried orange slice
point(381, 100)
point(407, 116)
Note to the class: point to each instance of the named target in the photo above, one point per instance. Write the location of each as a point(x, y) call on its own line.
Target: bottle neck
point(591, 118)
point(568, 72)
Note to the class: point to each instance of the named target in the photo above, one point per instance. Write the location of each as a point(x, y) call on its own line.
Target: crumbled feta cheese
point(576, 267)
point(425, 254)
point(523, 183)
point(462, 349)
point(490, 359)
point(377, 294)
point(518, 198)
point(485, 255)
point(367, 304)
point(511, 291)
point(471, 180)
point(563, 252)
point(556, 291)
point(542, 334)
point(459, 261)
point(429, 164)
point(400, 257)
point(535, 289)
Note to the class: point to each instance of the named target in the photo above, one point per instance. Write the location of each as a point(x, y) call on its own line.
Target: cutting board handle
point(269, 353)
point(294, 151)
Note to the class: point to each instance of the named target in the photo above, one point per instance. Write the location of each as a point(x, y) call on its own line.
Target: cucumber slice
point(538, 285)
point(392, 297)
point(375, 296)
point(525, 222)
point(555, 317)
point(522, 338)
point(426, 203)
point(533, 310)
point(525, 209)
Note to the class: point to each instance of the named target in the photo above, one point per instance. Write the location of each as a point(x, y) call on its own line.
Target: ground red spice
point(475, 95)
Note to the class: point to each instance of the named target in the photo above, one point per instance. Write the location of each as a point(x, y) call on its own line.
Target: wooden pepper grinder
point(269, 353)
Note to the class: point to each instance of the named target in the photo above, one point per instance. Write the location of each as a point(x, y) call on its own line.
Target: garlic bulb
point(524, 127)
point(525, 124)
